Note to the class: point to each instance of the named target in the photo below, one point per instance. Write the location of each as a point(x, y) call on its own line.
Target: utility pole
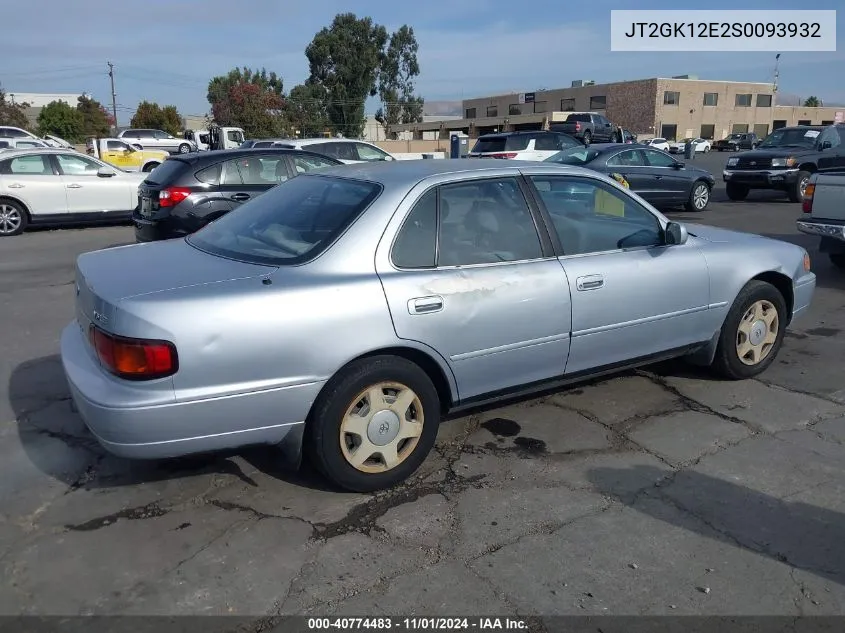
point(777, 75)
point(113, 96)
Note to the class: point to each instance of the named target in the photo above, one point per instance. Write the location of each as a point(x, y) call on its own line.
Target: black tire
point(323, 430)
point(14, 217)
point(796, 190)
point(184, 148)
point(699, 192)
point(727, 362)
point(735, 191)
point(148, 168)
point(837, 259)
point(587, 137)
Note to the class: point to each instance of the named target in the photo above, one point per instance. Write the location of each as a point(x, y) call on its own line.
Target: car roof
point(521, 133)
point(41, 150)
point(311, 141)
point(238, 152)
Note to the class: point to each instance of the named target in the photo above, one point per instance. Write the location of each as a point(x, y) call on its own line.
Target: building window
point(761, 129)
point(598, 103)
point(804, 122)
point(708, 131)
point(492, 111)
point(778, 124)
point(764, 101)
point(470, 113)
point(743, 101)
point(567, 105)
point(827, 122)
point(540, 106)
point(671, 98)
point(669, 131)
point(514, 109)
point(711, 98)
point(739, 128)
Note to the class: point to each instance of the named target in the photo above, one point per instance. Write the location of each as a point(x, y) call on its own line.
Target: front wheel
point(752, 333)
point(799, 187)
point(735, 191)
point(184, 148)
point(587, 138)
point(373, 424)
point(699, 197)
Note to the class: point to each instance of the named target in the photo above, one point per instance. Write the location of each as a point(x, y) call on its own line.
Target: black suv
point(735, 142)
point(186, 192)
point(785, 159)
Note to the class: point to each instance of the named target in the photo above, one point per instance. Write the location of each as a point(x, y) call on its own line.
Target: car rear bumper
point(147, 230)
point(802, 292)
point(762, 178)
point(822, 229)
point(128, 423)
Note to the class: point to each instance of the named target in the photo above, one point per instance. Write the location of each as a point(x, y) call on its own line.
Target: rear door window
point(308, 162)
point(263, 169)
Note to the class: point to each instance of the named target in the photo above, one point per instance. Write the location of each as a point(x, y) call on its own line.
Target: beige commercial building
point(672, 108)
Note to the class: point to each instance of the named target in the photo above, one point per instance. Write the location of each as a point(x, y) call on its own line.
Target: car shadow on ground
point(40, 399)
point(804, 536)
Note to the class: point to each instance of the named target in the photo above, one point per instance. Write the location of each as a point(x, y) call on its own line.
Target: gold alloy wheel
point(381, 427)
point(757, 332)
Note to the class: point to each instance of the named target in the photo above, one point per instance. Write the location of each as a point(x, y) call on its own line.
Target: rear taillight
point(134, 359)
point(504, 155)
point(577, 127)
point(807, 205)
point(172, 196)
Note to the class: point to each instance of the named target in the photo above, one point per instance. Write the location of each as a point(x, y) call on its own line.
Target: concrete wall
point(413, 147)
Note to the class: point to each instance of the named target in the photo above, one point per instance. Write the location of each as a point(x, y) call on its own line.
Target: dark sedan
point(651, 173)
point(186, 192)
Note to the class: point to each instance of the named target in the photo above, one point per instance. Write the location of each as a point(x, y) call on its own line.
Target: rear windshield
point(165, 173)
point(574, 156)
point(291, 223)
point(578, 117)
point(502, 143)
point(792, 137)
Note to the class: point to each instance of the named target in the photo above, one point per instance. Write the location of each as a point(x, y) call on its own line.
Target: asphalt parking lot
point(660, 491)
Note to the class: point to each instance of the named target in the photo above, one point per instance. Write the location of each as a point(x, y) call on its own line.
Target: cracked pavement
point(659, 491)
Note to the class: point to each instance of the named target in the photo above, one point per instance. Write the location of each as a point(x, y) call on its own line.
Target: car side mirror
point(389, 158)
point(827, 145)
point(678, 165)
point(676, 234)
point(105, 172)
point(136, 146)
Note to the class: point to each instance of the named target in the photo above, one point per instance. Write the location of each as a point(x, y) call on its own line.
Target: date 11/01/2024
point(724, 29)
point(416, 624)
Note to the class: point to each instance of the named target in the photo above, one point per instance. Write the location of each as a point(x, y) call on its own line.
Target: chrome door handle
point(425, 305)
point(240, 197)
point(16, 185)
point(589, 282)
point(74, 186)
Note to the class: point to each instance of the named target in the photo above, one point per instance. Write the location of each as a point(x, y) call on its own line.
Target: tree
point(61, 119)
point(13, 114)
point(396, 80)
point(306, 110)
point(152, 116)
point(811, 102)
point(96, 120)
point(344, 60)
point(250, 99)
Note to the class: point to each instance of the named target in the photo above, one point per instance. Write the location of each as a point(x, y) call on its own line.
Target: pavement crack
point(149, 511)
point(800, 392)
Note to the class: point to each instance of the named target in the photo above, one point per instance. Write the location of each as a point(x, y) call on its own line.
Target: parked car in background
point(589, 127)
point(651, 173)
point(343, 149)
point(21, 143)
point(347, 308)
point(262, 142)
point(188, 191)
point(736, 142)
point(158, 139)
point(119, 153)
point(535, 145)
point(628, 136)
point(824, 214)
point(785, 160)
point(658, 143)
point(10, 132)
point(60, 187)
point(700, 145)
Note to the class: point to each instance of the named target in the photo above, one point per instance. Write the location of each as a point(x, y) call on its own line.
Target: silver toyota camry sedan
point(346, 311)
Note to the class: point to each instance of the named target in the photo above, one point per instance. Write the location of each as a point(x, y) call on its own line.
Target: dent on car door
point(481, 287)
point(633, 296)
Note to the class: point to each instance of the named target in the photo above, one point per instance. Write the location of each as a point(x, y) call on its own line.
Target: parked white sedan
point(56, 186)
point(679, 147)
point(658, 143)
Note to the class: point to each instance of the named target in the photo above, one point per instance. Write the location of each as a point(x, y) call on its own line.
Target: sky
point(167, 50)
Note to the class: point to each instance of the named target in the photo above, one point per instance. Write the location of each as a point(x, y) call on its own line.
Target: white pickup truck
point(824, 214)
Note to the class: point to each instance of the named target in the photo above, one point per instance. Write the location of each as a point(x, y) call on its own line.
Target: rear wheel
point(13, 218)
point(799, 187)
point(587, 137)
point(149, 167)
point(837, 259)
point(752, 332)
point(184, 148)
point(699, 197)
point(374, 423)
point(735, 191)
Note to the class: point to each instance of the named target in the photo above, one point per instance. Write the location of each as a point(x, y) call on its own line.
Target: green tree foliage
point(398, 69)
point(96, 120)
point(306, 110)
point(812, 102)
point(61, 119)
point(250, 99)
point(150, 115)
point(344, 60)
point(13, 114)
